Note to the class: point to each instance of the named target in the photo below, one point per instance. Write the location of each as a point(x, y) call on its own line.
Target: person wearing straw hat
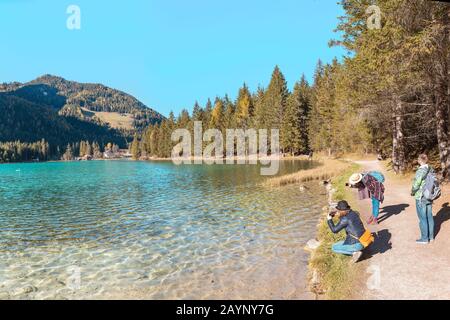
point(369, 187)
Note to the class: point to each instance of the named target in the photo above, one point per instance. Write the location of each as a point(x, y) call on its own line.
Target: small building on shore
point(108, 154)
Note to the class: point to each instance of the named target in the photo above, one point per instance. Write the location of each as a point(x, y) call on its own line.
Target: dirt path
point(397, 267)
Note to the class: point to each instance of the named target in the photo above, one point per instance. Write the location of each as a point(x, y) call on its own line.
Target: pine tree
point(68, 155)
point(134, 149)
point(197, 113)
point(244, 107)
point(217, 115)
point(258, 121)
point(229, 121)
point(294, 133)
point(82, 149)
point(97, 153)
point(275, 100)
point(207, 113)
point(184, 119)
point(323, 109)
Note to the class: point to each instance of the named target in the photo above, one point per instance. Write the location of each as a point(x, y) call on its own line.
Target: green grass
point(336, 273)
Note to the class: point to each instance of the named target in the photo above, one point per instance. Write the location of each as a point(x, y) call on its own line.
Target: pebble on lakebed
point(303, 188)
point(312, 245)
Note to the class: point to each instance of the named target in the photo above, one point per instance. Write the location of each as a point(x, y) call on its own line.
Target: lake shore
point(332, 173)
point(235, 158)
point(331, 276)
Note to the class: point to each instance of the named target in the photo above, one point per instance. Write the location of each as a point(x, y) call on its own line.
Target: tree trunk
point(441, 98)
point(398, 143)
point(448, 91)
point(442, 130)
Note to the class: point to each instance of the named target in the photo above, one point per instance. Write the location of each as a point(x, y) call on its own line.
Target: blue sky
point(167, 53)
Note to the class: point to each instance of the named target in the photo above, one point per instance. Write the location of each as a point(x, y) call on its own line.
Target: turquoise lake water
point(153, 230)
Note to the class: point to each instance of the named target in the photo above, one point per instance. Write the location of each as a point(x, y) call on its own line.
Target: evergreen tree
point(217, 115)
point(82, 149)
point(207, 113)
point(244, 107)
point(275, 100)
point(197, 113)
point(134, 149)
point(68, 155)
point(258, 121)
point(97, 152)
point(294, 133)
point(229, 121)
point(88, 149)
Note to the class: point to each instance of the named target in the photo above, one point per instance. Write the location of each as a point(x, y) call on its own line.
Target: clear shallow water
point(152, 230)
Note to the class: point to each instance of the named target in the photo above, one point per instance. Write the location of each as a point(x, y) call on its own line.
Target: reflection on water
point(152, 230)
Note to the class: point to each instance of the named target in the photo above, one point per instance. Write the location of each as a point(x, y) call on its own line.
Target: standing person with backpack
point(425, 190)
point(370, 185)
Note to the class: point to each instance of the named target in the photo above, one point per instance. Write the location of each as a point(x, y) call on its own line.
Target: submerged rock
point(29, 289)
point(303, 188)
point(312, 245)
point(24, 291)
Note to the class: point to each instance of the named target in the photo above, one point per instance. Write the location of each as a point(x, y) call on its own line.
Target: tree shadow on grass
point(441, 217)
point(381, 244)
point(389, 211)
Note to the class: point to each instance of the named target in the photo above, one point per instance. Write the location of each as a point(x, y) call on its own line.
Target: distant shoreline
point(290, 158)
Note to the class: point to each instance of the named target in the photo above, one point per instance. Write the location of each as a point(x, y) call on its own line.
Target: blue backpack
point(431, 189)
point(378, 176)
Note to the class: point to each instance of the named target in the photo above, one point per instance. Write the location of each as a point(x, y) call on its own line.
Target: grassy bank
point(327, 169)
point(335, 274)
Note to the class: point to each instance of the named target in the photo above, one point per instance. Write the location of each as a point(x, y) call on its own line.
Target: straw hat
point(356, 178)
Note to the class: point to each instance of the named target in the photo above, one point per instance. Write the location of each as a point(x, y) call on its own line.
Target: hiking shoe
point(420, 241)
point(431, 240)
point(356, 256)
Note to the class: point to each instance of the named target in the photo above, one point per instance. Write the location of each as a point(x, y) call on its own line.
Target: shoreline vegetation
point(327, 169)
point(123, 157)
point(330, 276)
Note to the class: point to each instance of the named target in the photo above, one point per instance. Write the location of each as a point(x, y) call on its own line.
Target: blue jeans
point(375, 207)
point(347, 249)
point(426, 220)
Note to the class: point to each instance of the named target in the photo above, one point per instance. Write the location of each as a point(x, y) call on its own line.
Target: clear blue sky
point(167, 53)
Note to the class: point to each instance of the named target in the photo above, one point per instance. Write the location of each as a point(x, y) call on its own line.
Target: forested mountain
point(99, 98)
point(62, 112)
point(29, 122)
point(57, 93)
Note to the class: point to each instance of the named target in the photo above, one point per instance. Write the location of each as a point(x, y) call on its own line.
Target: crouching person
point(358, 238)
